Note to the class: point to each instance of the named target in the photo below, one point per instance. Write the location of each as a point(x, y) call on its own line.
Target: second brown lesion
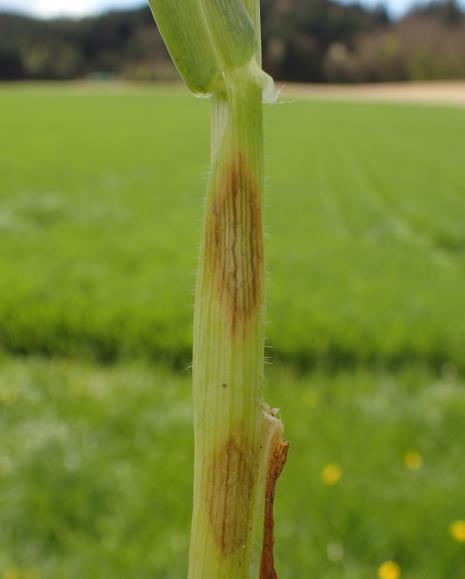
point(229, 494)
point(234, 243)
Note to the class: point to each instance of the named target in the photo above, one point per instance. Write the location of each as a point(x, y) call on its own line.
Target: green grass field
point(100, 214)
point(95, 472)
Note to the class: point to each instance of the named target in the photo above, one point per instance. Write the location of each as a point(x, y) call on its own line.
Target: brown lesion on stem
point(229, 494)
point(277, 459)
point(234, 243)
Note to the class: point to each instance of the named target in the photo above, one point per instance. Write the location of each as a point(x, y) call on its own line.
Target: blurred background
point(303, 41)
point(103, 168)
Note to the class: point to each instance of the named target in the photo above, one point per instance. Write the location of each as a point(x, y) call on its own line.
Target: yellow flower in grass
point(413, 460)
point(331, 474)
point(389, 570)
point(20, 573)
point(457, 530)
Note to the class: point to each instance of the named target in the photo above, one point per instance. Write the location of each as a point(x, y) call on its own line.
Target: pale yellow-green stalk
point(239, 450)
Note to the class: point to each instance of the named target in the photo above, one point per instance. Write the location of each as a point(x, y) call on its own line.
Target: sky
point(50, 8)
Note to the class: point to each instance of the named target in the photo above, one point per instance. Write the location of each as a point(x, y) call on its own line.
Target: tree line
point(317, 41)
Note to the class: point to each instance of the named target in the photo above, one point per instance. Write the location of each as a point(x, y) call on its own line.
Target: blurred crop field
point(100, 214)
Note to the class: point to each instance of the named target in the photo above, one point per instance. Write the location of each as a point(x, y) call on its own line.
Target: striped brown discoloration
point(234, 244)
point(229, 495)
point(277, 460)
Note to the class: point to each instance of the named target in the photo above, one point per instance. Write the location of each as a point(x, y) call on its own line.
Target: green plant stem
point(229, 342)
point(233, 434)
point(215, 46)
